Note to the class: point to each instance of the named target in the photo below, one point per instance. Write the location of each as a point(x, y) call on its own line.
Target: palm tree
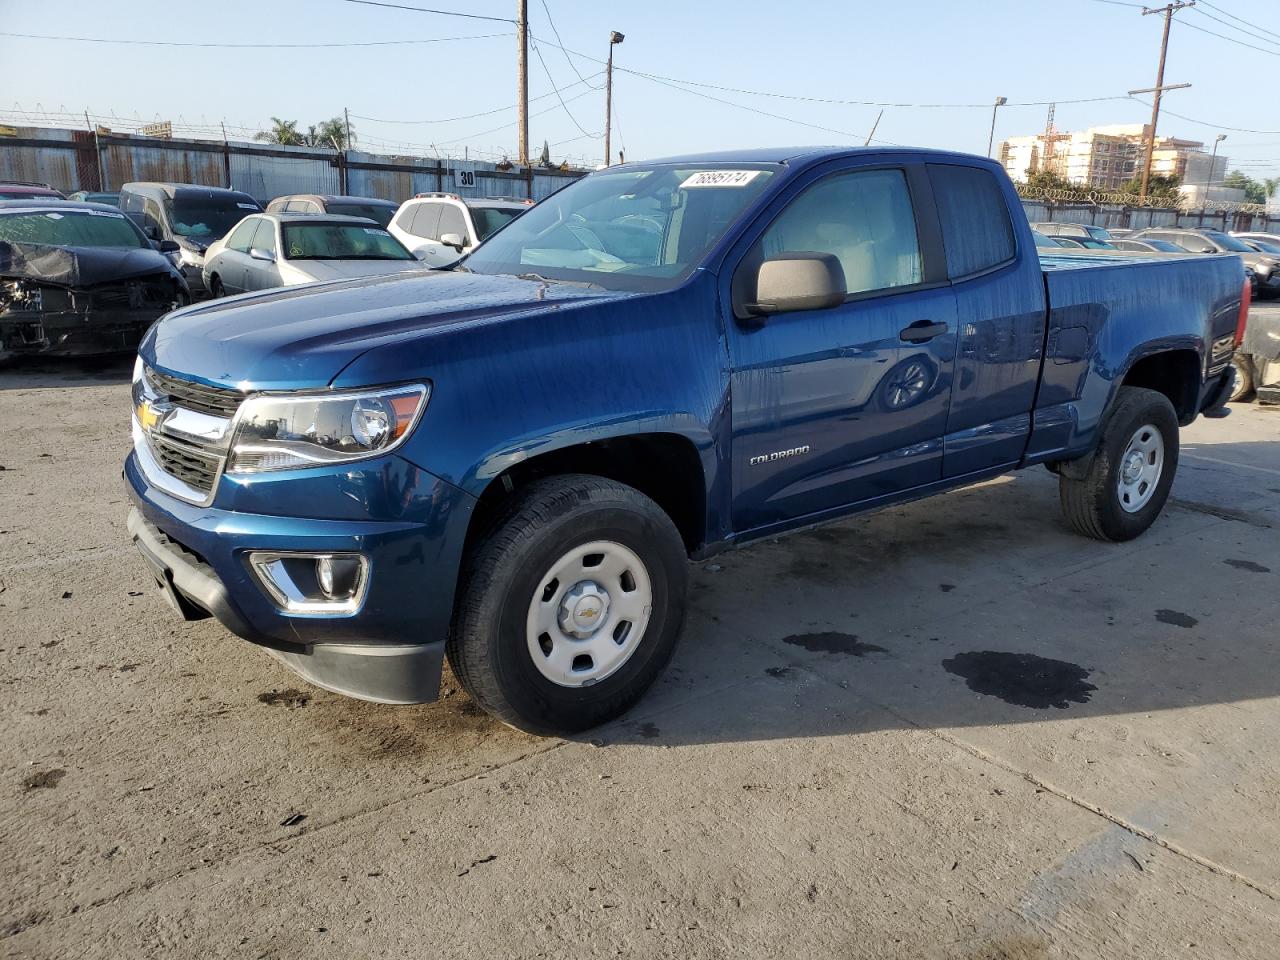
point(1272, 184)
point(329, 133)
point(283, 132)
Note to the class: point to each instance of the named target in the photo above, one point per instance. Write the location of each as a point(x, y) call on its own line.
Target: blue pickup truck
point(511, 462)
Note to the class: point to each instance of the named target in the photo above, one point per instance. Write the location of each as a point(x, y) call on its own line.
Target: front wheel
point(571, 606)
point(216, 289)
point(1118, 492)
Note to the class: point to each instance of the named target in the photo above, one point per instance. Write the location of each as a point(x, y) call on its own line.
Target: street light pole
point(1213, 167)
point(1000, 102)
point(615, 38)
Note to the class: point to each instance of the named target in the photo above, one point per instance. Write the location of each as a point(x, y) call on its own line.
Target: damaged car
point(79, 279)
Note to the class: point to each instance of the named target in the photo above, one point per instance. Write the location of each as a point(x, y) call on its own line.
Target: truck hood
point(298, 337)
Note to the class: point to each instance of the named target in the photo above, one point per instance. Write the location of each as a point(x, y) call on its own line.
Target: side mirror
point(453, 240)
point(799, 281)
point(257, 253)
point(167, 246)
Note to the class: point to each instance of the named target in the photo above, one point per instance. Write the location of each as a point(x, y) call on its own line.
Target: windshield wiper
point(573, 283)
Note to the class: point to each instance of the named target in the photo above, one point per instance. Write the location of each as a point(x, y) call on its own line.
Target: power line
point(504, 126)
point(1251, 26)
point(483, 113)
point(826, 100)
point(1223, 36)
point(443, 13)
point(1210, 124)
point(1231, 26)
point(567, 59)
point(255, 46)
point(556, 90)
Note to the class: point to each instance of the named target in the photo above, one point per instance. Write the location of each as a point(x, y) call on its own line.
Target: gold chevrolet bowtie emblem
point(148, 416)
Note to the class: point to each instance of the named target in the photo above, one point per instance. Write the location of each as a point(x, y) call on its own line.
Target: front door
point(261, 269)
point(848, 404)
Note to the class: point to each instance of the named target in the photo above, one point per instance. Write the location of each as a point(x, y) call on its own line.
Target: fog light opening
point(338, 577)
point(318, 584)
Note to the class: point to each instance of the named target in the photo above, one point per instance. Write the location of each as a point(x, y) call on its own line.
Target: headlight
point(288, 431)
point(192, 258)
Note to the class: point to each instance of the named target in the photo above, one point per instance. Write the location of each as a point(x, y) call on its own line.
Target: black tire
point(1242, 386)
point(489, 648)
point(216, 289)
point(1089, 488)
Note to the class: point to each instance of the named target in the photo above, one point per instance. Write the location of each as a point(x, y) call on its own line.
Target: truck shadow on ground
point(978, 608)
point(35, 373)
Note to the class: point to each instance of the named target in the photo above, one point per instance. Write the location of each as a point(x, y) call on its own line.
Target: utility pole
point(1168, 10)
point(615, 38)
point(346, 115)
point(522, 78)
point(991, 140)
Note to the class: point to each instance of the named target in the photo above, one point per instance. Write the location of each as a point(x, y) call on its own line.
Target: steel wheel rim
point(1141, 466)
point(588, 613)
point(910, 384)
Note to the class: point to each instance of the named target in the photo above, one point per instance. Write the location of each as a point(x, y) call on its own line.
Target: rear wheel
point(571, 606)
point(1242, 384)
point(1118, 491)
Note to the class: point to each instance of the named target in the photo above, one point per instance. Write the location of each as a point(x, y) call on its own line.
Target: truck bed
point(1122, 307)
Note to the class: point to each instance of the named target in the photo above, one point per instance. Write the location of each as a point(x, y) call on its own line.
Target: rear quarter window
point(976, 229)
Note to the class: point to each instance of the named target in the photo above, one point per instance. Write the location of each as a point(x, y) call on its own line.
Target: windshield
point(1265, 246)
point(488, 219)
point(1227, 242)
point(88, 228)
point(205, 217)
point(374, 211)
point(1097, 233)
point(341, 241)
point(633, 228)
point(1164, 246)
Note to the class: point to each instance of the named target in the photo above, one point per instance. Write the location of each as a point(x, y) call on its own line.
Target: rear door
point(1000, 313)
point(848, 404)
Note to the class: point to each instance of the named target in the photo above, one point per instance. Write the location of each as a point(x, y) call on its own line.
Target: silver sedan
point(282, 249)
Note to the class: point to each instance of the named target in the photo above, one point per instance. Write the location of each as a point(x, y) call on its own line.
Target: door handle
point(922, 331)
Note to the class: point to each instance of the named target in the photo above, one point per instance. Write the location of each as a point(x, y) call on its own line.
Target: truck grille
point(215, 401)
point(185, 461)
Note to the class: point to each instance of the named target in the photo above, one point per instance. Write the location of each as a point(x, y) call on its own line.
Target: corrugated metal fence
point(79, 160)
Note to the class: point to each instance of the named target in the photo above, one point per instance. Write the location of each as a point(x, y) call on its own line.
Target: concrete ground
point(952, 729)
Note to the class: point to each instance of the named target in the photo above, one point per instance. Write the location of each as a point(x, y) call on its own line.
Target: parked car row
point(1259, 251)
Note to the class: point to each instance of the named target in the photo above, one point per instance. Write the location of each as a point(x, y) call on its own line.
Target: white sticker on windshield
point(720, 178)
point(105, 213)
point(247, 206)
point(376, 232)
point(54, 216)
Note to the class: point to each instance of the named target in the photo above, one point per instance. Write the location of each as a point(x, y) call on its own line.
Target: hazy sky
point(907, 51)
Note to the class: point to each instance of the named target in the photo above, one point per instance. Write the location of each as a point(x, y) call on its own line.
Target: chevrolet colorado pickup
point(511, 462)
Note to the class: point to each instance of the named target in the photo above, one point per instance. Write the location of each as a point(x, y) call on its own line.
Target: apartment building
point(1105, 158)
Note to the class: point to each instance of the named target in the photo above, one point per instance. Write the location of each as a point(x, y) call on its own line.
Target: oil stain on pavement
point(1176, 618)
point(1022, 679)
point(832, 642)
point(1247, 565)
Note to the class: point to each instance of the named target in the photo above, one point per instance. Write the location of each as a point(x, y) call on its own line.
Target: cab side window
point(865, 219)
point(451, 221)
point(241, 238)
point(976, 230)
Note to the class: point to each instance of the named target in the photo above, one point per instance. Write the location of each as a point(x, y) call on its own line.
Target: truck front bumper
point(389, 650)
